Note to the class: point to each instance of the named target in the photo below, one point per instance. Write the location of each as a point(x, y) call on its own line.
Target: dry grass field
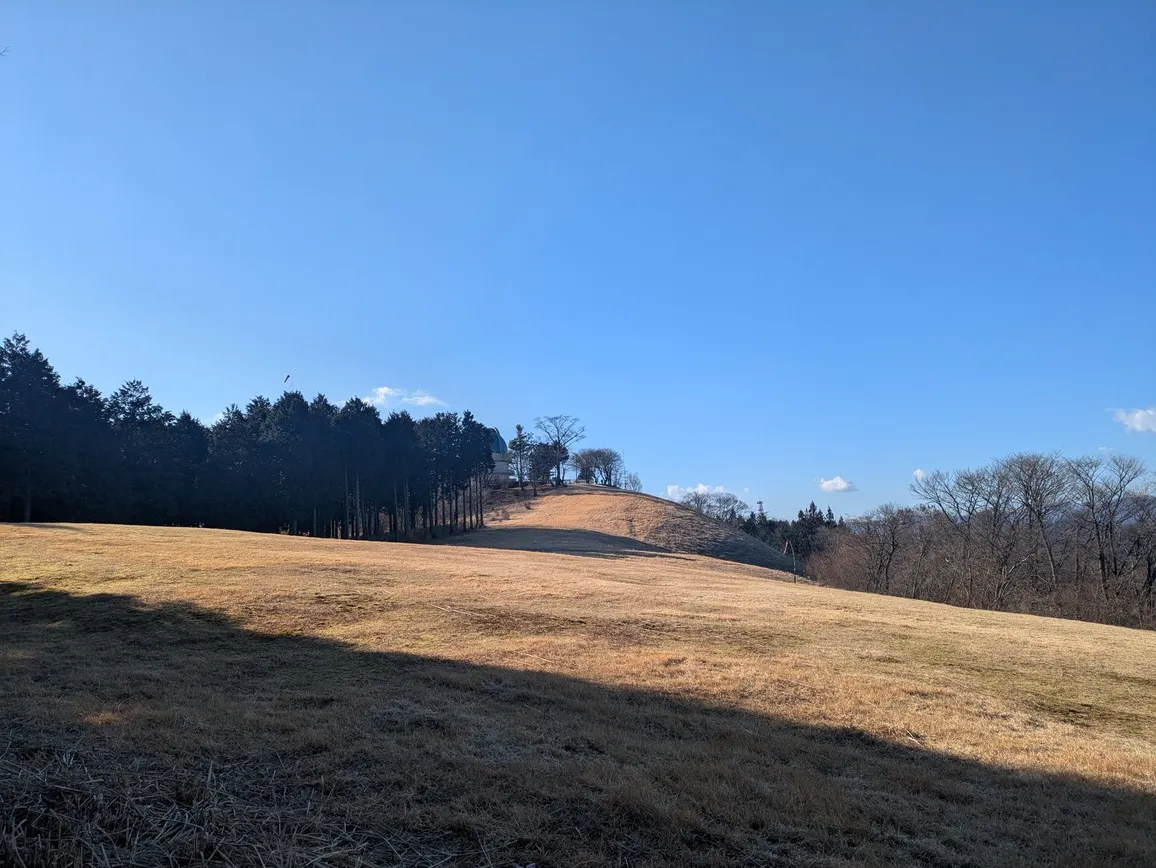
point(185, 697)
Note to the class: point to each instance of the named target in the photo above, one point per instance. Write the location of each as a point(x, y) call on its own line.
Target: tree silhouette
point(68, 453)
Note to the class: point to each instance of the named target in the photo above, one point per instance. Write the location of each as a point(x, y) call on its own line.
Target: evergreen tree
point(520, 448)
point(149, 481)
point(67, 453)
point(94, 484)
point(32, 423)
point(286, 431)
point(190, 452)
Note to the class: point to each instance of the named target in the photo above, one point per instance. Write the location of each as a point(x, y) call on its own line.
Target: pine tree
point(520, 448)
point(31, 424)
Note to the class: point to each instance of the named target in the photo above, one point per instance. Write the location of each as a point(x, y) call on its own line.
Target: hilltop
point(188, 695)
point(597, 520)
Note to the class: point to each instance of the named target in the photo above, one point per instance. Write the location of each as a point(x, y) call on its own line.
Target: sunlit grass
point(463, 704)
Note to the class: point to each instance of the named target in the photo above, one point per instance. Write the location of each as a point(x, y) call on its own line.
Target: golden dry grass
point(183, 696)
point(591, 519)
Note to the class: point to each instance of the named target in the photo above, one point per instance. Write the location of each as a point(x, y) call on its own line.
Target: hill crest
point(590, 519)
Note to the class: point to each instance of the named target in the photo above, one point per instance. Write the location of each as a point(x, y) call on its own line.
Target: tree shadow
point(167, 735)
point(587, 543)
point(59, 528)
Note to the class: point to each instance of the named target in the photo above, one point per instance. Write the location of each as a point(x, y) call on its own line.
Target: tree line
point(543, 458)
point(722, 505)
point(801, 537)
point(68, 453)
point(1034, 533)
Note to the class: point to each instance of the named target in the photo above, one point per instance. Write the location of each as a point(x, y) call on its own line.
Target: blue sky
point(756, 245)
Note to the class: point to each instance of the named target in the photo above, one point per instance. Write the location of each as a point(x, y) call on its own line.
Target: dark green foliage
point(520, 448)
point(37, 459)
point(806, 535)
point(69, 454)
point(545, 458)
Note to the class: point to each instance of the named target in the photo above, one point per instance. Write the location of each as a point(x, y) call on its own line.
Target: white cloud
point(387, 397)
point(1137, 420)
point(677, 492)
point(383, 396)
point(837, 485)
point(423, 399)
point(919, 474)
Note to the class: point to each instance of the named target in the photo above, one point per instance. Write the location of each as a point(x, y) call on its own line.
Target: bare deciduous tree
point(1045, 490)
point(604, 466)
point(560, 431)
point(1103, 489)
point(697, 500)
point(584, 464)
point(1034, 533)
point(717, 504)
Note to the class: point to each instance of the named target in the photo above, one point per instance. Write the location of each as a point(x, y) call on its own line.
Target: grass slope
point(587, 519)
point(182, 696)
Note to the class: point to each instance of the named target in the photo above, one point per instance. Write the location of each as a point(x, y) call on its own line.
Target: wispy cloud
point(678, 492)
point(387, 398)
point(919, 474)
point(836, 485)
point(384, 396)
point(1137, 420)
point(423, 399)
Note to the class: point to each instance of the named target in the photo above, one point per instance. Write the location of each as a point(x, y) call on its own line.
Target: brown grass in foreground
point(173, 696)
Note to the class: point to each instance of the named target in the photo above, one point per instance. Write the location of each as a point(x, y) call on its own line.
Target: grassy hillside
point(596, 520)
point(174, 696)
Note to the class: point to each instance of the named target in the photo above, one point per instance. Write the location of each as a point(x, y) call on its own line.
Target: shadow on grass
point(588, 543)
point(59, 528)
point(167, 735)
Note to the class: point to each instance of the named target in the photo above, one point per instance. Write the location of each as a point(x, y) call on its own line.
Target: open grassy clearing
point(174, 696)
